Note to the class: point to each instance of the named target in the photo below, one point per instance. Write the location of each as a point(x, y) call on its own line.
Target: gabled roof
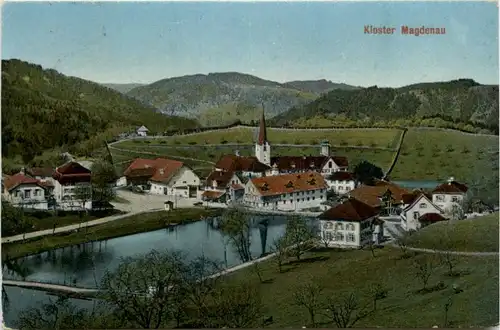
point(371, 195)
point(419, 198)
point(350, 210)
point(142, 129)
point(241, 164)
point(431, 217)
point(306, 163)
point(288, 183)
point(410, 197)
point(220, 177)
point(18, 179)
point(452, 187)
point(341, 176)
point(157, 170)
point(72, 172)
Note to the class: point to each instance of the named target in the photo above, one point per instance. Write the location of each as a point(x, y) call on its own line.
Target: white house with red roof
point(287, 192)
point(341, 182)
point(163, 176)
point(24, 191)
point(351, 224)
point(72, 187)
point(449, 195)
point(419, 211)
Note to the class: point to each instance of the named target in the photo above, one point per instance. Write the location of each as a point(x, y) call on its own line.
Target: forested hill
point(461, 102)
point(220, 98)
point(43, 110)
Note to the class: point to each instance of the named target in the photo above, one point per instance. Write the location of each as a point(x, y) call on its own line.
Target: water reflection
point(84, 265)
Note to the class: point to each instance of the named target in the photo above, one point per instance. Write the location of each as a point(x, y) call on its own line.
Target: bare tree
point(258, 271)
point(457, 212)
point(448, 258)
point(298, 235)
point(423, 270)
point(235, 225)
point(447, 306)
point(308, 295)
point(402, 242)
point(345, 312)
point(237, 306)
point(141, 287)
point(280, 249)
point(83, 195)
point(377, 292)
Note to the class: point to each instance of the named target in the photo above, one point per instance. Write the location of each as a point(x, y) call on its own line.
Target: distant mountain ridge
point(462, 102)
point(122, 88)
point(318, 86)
point(219, 98)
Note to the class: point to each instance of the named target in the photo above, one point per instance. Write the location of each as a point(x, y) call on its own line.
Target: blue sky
point(145, 42)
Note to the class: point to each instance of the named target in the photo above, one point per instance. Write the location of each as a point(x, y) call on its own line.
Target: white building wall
point(346, 234)
point(446, 201)
point(341, 187)
point(66, 199)
point(185, 177)
point(30, 196)
point(330, 167)
point(409, 218)
point(284, 202)
point(263, 153)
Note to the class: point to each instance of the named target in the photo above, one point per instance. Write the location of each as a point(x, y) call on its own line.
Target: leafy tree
point(235, 224)
point(298, 235)
point(103, 177)
point(366, 172)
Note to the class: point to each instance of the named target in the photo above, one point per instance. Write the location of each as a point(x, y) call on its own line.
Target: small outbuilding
point(169, 205)
point(142, 131)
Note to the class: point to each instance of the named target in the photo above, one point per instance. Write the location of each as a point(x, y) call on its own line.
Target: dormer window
point(292, 165)
point(312, 165)
point(289, 184)
point(265, 187)
point(214, 183)
point(312, 182)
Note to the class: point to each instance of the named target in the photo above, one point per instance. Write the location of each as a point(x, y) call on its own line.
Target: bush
point(163, 142)
point(177, 142)
point(343, 142)
point(192, 142)
point(223, 141)
point(359, 143)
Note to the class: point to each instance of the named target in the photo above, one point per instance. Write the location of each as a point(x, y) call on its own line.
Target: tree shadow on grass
point(309, 260)
point(438, 287)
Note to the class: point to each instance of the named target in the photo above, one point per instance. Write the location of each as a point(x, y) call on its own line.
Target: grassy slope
point(127, 226)
point(355, 271)
point(84, 113)
point(437, 155)
point(474, 235)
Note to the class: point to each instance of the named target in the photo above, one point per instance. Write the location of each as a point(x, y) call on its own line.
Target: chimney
point(237, 153)
point(451, 179)
point(22, 171)
point(162, 171)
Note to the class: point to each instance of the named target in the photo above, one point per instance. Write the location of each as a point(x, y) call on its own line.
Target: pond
point(417, 184)
point(84, 265)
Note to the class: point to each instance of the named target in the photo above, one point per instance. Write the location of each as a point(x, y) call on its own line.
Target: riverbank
point(127, 226)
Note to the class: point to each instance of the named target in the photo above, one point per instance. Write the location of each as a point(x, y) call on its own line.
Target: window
point(339, 226)
point(284, 202)
point(341, 188)
point(328, 236)
point(27, 194)
point(314, 198)
point(415, 215)
point(308, 198)
point(17, 193)
point(454, 199)
point(328, 225)
point(439, 198)
point(423, 206)
point(339, 237)
point(330, 165)
point(350, 237)
point(349, 226)
point(298, 200)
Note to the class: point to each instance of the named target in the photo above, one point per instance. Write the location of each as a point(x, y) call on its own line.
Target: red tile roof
point(208, 194)
point(306, 163)
point(371, 194)
point(157, 170)
point(241, 164)
point(288, 183)
point(431, 217)
point(350, 210)
point(341, 176)
point(452, 187)
point(222, 178)
point(412, 196)
point(72, 172)
point(18, 179)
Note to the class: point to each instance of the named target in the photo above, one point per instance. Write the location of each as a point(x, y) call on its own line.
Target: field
point(474, 235)
point(356, 271)
point(381, 158)
point(127, 226)
point(437, 155)
point(386, 138)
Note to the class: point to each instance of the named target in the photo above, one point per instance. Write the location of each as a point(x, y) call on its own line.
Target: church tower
point(262, 146)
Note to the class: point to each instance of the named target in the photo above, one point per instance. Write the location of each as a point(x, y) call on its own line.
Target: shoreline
point(134, 224)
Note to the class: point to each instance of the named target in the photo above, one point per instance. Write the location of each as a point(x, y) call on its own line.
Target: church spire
point(262, 129)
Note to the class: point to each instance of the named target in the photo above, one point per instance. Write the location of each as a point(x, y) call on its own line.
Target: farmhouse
point(351, 224)
point(341, 182)
point(25, 192)
point(419, 211)
point(162, 176)
point(223, 186)
point(382, 192)
point(142, 131)
point(287, 192)
point(449, 195)
point(72, 187)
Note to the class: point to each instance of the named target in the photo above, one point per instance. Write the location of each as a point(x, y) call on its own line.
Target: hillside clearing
point(472, 235)
point(355, 271)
